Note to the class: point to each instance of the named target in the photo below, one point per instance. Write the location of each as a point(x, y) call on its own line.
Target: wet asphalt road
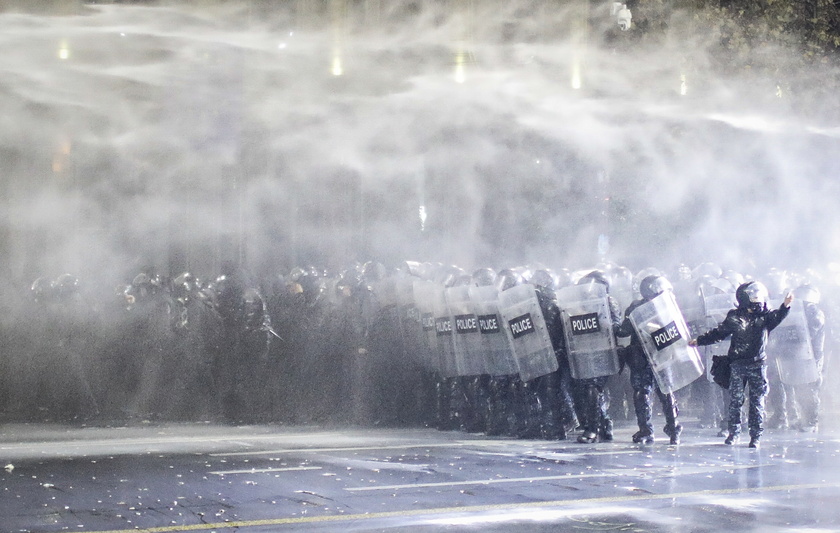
point(201, 477)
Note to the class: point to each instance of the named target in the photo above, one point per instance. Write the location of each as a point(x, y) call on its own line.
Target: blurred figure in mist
point(195, 326)
point(64, 339)
point(240, 361)
point(148, 342)
point(781, 397)
point(346, 326)
point(300, 399)
point(387, 383)
point(808, 394)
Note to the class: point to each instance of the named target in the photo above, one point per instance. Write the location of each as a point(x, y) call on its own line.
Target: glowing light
point(60, 157)
point(778, 91)
point(281, 46)
point(683, 85)
point(460, 69)
point(423, 216)
point(337, 69)
point(63, 51)
point(577, 81)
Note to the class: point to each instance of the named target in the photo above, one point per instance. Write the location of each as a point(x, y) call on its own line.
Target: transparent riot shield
point(389, 314)
point(587, 327)
point(466, 334)
point(715, 308)
point(425, 296)
point(664, 336)
point(495, 344)
point(444, 330)
point(410, 325)
point(527, 332)
point(790, 348)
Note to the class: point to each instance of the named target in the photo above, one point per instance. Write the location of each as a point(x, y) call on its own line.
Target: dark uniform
point(749, 326)
point(594, 399)
point(554, 390)
point(641, 373)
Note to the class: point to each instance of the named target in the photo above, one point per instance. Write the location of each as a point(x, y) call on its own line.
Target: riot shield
point(664, 336)
point(527, 332)
point(389, 314)
point(587, 327)
point(410, 325)
point(425, 297)
point(715, 308)
point(444, 330)
point(466, 335)
point(789, 345)
point(495, 344)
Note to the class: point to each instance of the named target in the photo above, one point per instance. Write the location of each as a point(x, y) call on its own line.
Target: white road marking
point(264, 470)
point(628, 472)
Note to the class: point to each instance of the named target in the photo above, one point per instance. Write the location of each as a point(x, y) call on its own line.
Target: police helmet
point(710, 286)
point(683, 272)
point(449, 275)
point(778, 282)
point(706, 269)
point(807, 293)
point(734, 277)
point(484, 277)
point(296, 274)
point(596, 276)
point(752, 295)
point(653, 286)
point(373, 272)
point(67, 284)
point(347, 283)
point(562, 278)
point(542, 278)
point(642, 274)
point(507, 279)
point(42, 289)
point(184, 285)
point(622, 278)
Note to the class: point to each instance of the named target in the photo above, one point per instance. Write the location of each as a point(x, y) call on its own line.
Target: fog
point(184, 134)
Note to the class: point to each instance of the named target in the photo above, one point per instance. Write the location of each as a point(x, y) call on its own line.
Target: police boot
point(674, 433)
point(754, 442)
point(533, 414)
point(733, 438)
point(777, 421)
point(606, 430)
point(588, 437)
point(643, 436)
point(643, 413)
point(672, 428)
point(473, 419)
point(441, 405)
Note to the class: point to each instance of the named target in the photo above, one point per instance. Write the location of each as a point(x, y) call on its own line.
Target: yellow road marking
point(464, 509)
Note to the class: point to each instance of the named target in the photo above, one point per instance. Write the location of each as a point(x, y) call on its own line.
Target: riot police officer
point(749, 325)
point(641, 372)
point(808, 395)
point(553, 390)
point(595, 402)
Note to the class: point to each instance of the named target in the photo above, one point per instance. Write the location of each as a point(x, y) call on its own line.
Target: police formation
point(519, 352)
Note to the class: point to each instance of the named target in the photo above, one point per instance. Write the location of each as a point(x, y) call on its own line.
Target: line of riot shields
point(416, 345)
